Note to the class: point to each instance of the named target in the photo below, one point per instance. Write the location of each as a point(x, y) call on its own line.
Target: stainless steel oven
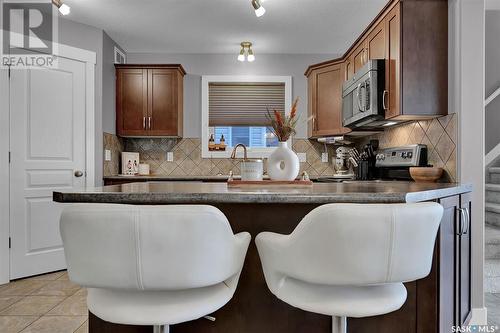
point(363, 97)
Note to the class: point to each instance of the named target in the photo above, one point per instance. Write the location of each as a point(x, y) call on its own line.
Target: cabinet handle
point(461, 221)
point(384, 95)
point(149, 122)
point(143, 122)
point(466, 220)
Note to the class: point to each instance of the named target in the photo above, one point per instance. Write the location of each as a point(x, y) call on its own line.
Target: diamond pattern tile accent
point(438, 134)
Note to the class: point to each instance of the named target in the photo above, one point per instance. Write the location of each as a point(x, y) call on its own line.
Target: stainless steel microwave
point(362, 97)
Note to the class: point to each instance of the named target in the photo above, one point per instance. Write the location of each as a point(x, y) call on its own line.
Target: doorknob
point(78, 173)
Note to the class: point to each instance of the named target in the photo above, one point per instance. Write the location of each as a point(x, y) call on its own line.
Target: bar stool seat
point(342, 301)
point(351, 260)
point(152, 265)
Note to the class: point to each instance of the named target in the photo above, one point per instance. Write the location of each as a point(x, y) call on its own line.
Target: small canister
point(251, 170)
point(144, 169)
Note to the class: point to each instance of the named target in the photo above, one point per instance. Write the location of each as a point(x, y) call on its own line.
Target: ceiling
point(218, 26)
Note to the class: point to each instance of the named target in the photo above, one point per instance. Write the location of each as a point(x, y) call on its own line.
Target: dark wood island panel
point(254, 309)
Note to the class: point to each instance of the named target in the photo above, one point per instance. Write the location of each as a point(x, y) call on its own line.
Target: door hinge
point(10, 243)
point(10, 156)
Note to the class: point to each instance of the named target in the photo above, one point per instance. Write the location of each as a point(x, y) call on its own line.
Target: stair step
point(494, 170)
point(493, 194)
point(494, 175)
point(492, 268)
point(492, 242)
point(492, 207)
point(493, 219)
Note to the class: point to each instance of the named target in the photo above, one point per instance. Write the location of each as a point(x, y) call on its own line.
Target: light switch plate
point(107, 155)
point(302, 157)
point(324, 157)
point(170, 156)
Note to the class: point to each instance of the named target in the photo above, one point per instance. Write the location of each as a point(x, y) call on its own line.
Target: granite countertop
point(212, 193)
point(185, 178)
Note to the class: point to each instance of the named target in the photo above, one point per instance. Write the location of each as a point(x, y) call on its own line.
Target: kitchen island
point(434, 303)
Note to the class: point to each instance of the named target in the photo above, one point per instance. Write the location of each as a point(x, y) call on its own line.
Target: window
point(235, 107)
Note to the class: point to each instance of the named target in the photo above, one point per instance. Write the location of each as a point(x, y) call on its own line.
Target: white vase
point(283, 163)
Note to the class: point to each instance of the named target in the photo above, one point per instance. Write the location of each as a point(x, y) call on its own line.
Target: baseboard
point(479, 316)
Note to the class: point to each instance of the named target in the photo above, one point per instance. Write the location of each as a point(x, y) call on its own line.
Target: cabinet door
point(328, 101)
point(348, 69)
point(162, 102)
point(131, 101)
point(375, 43)
point(359, 56)
point(393, 62)
point(448, 238)
point(464, 252)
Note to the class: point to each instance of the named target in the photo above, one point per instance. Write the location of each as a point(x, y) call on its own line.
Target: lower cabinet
point(454, 248)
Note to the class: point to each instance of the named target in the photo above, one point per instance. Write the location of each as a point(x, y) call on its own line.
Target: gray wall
point(96, 40)
point(197, 65)
point(492, 78)
point(108, 84)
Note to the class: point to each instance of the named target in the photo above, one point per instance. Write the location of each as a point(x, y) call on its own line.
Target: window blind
point(244, 104)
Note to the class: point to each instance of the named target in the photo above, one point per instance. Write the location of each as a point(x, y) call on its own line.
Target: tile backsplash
point(438, 134)
point(187, 157)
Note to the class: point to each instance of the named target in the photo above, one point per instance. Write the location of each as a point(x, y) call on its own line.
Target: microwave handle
point(358, 94)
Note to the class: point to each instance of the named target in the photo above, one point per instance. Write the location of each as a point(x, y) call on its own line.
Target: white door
point(47, 139)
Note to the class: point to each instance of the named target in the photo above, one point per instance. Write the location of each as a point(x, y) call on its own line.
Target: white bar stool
point(350, 260)
point(152, 265)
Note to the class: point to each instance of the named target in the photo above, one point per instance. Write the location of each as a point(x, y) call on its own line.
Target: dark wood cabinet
point(412, 37)
point(325, 101)
point(392, 91)
point(454, 275)
point(149, 100)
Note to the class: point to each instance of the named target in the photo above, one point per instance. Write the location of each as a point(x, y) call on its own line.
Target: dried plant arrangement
point(283, 126)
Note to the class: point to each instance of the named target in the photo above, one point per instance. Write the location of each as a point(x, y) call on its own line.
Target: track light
point(241, 56)
point(246, 52)
point(251, 56)
point(259, 10)
point(64, 9)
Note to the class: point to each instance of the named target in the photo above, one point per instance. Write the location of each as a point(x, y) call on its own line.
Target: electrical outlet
point(170, 156)
point(324, 157)
point(107, 155)
point(302, 157)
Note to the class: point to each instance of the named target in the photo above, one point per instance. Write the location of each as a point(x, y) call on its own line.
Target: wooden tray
point(269, 183)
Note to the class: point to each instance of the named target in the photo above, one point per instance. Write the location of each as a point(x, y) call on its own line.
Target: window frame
point(252, 152)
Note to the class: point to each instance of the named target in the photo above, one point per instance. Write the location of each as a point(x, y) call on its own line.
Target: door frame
point(64, 51)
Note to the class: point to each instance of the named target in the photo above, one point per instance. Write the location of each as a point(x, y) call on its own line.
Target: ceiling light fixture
point(246, 52)
point(64, 9)
point(259, 10)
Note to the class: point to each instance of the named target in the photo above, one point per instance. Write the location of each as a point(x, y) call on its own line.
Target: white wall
point(492, 77)
point(467, 98)
point(197, 65)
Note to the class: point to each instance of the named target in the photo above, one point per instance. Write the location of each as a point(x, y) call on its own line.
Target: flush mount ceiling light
point(64, 9)
point(259, 10)
point(246, 52)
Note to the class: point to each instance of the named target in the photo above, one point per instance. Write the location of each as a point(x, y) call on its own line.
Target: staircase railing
point(493, 154)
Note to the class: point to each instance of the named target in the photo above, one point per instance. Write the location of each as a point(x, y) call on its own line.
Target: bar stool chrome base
point(339, 324)
point(161, 329)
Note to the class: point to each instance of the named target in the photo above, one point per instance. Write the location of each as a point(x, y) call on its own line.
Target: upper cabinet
point(149, 100)
point(325, 100)
point(412, 37)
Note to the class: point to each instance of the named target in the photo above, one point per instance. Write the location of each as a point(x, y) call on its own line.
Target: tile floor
point(47, 303)
point(51, 303)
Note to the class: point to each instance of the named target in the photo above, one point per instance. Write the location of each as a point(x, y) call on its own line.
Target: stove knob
point(403, 155)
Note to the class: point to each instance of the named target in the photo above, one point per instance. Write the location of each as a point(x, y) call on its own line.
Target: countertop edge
point(257, 198)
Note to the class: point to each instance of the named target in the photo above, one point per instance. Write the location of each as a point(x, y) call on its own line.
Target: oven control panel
point(403, 156)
